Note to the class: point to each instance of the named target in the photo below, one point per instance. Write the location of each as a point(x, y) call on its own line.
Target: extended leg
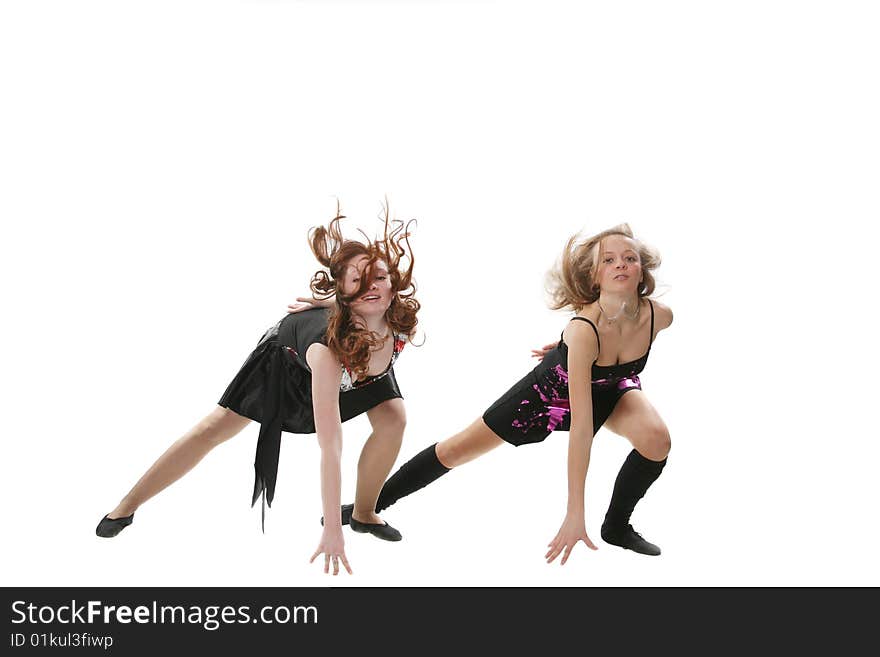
point(432, 463)
point(218, 426)
point(436, 460)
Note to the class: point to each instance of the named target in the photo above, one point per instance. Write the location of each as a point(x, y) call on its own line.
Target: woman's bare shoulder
point(662, 315)
point(320, 357)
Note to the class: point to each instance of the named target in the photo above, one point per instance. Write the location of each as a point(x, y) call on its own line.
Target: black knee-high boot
point(635, 477)
point(413, 475)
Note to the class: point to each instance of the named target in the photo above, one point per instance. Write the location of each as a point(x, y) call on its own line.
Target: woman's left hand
point(543, 351)
point(304, 303)
point(573, 530)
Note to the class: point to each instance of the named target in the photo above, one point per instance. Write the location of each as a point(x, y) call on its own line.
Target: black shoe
point(346, 510)
point(109, 527)
point(384, 531)
point(629, 539)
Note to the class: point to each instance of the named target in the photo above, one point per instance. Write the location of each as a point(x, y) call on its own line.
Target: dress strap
point(651, 336)
point(595, 330)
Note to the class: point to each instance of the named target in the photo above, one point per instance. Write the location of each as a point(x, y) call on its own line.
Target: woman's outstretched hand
point(304, 303)
point(332, 546)
point(573, 530)
point(540, 353)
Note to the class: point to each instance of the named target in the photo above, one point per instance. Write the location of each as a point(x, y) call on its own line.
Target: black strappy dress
point(274, 388)
point(538, 404)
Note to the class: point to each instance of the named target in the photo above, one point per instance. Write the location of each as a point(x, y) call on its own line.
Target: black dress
point(274, 388)
point(538, 404)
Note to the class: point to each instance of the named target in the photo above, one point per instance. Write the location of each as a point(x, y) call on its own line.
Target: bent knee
point(449, 454)
point(393, 419)
point(397, 424)
point(655, 443)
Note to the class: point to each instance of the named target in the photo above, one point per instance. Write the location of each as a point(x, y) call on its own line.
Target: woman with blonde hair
point(309, 373)
point(587, 380)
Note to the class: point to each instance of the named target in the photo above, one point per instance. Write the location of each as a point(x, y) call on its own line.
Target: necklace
point(619, 312)
point(383, 339)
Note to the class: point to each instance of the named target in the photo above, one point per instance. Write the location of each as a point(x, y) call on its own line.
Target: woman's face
point(620, 268)
point(377, 298)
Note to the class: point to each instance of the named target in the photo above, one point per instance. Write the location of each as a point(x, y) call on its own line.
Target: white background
point(161, 163)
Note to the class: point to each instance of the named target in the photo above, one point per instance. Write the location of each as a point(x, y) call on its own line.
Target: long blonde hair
point(572, 282)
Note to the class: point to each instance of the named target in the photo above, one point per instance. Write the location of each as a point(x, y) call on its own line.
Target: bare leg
point(378, 455)
point(467, 445)
point(218, 426)
point(638, 421)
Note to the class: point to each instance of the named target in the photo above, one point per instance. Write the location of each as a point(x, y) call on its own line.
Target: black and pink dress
point(538, 404)
point(274, 388)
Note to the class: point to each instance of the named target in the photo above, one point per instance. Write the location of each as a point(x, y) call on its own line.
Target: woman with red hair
point(311, 372)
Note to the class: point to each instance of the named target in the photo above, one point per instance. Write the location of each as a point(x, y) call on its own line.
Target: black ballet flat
point(346, 510)
point(629, 539)
point(110, 527)
point(384, 531)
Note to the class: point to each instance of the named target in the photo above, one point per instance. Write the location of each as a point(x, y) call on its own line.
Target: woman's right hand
point(572, 531)
point(543, 351)
point(332, 546)
point(304, 303)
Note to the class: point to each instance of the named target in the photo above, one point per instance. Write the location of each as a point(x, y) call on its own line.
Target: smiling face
point(620, 268)
point(376, 296)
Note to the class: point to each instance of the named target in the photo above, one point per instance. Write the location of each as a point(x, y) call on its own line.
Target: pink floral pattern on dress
point(553, 392)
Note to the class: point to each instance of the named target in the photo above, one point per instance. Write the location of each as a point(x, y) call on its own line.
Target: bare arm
point(582, 352)
point(304, 303)
point(663, 316)
point(583, 348)
point(326, 376)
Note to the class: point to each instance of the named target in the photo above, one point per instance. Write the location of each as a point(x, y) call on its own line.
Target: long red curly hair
point(350, 342)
